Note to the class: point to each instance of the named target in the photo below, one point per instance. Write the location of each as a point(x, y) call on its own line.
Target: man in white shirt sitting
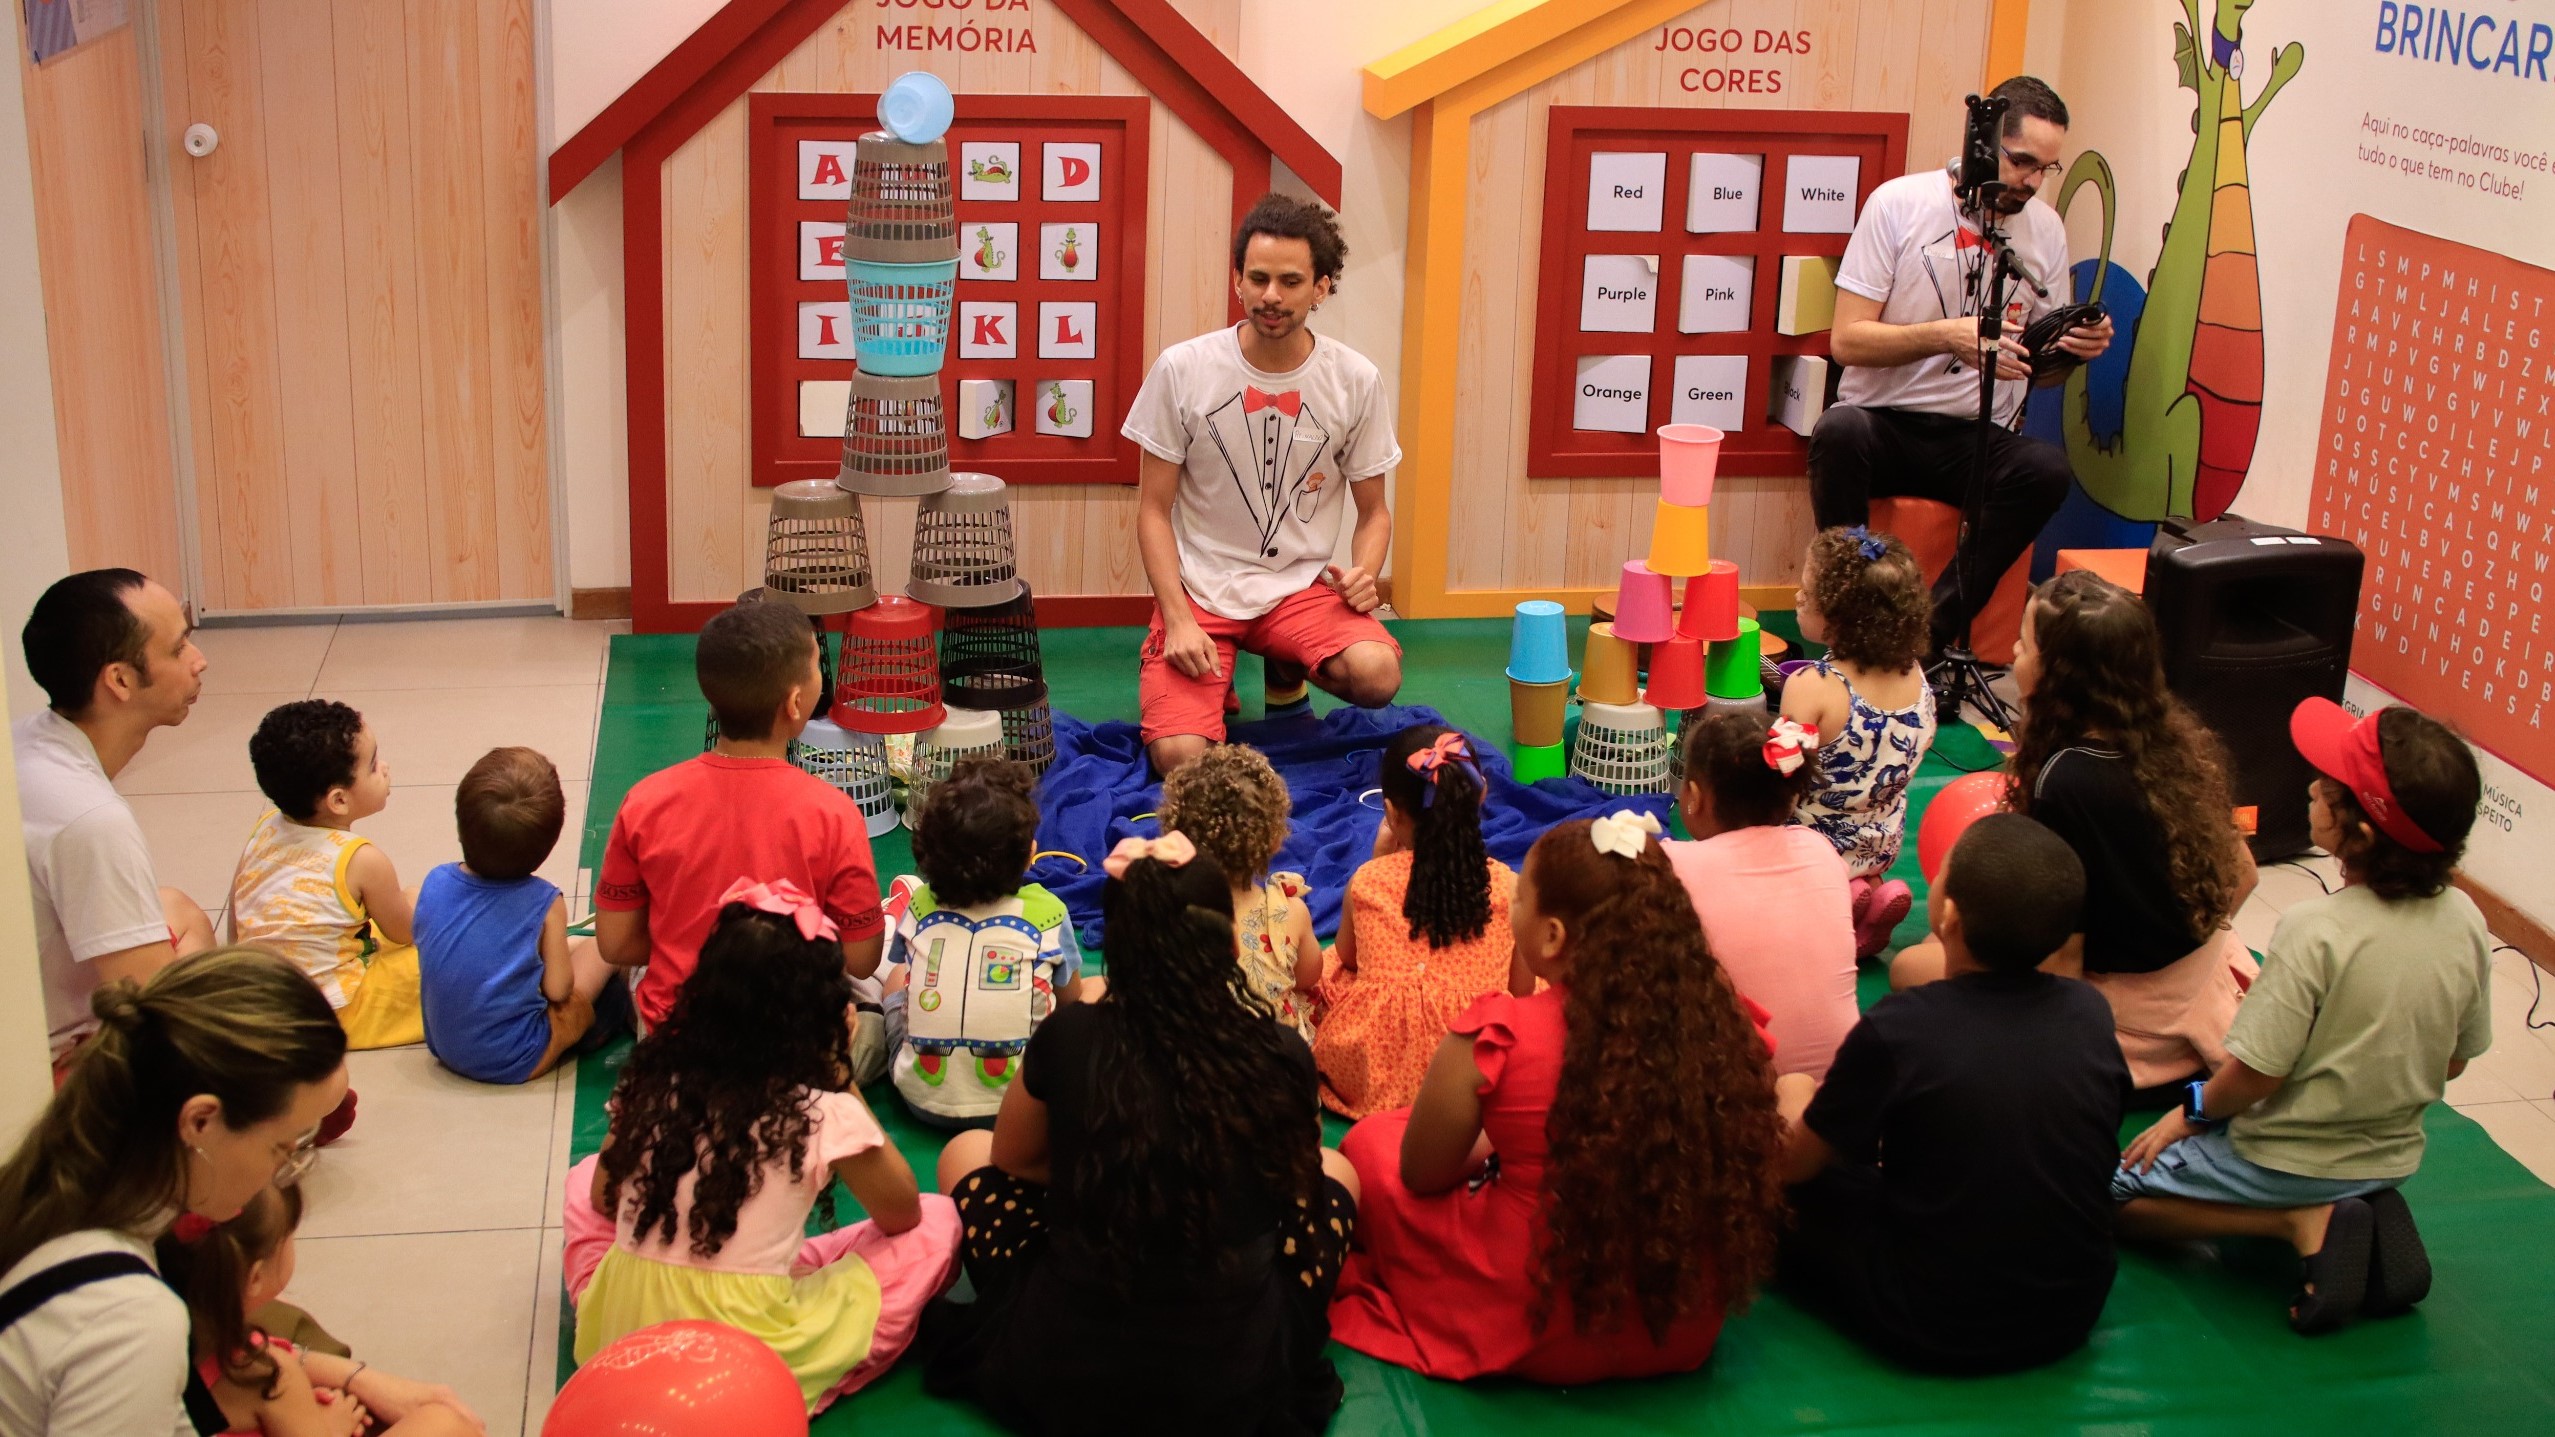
point(1251, 433)
point(1907, 302)
point(115, 653)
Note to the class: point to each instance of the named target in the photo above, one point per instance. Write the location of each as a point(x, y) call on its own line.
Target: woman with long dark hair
point(1424, 931)
point(1152, 1227)
point(201, 1088)
point(2112, 762)
point(1590, 1179)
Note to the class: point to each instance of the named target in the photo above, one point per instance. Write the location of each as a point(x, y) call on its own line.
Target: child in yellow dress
point(729, 1126)
point(1234, 807)
point(312, 889)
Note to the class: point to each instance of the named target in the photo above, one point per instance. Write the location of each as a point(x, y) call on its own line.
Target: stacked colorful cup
point(1681, 526)
point(1607, 676)
point(1730, 671)
point(1645, 605)
point(1538, 684)
point(1711, 611)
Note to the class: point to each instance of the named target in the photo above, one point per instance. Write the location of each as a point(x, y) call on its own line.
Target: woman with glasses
point(200, 1089)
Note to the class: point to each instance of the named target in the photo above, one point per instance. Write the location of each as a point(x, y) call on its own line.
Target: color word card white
point(1711, 389)
point(1719, 292)
point(1722, 193)
point(1613, 393)
point(1626, 192)
point(1818, 194)
point(1619, 294)
point(1073, 171)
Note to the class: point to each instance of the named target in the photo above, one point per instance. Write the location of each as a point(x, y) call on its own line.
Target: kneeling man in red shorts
point(1250, 436)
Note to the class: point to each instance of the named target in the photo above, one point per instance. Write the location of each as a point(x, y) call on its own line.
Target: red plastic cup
point(1645, 605)
point(1676, 675)
point(1712, 604)
point(1689, 457)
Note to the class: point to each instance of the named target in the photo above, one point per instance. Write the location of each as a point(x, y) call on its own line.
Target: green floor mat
point(2193, 1341)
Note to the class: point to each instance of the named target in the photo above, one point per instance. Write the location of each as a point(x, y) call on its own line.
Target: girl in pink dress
point(1588, 1181)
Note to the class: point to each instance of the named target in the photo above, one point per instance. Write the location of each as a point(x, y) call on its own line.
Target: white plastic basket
point(1622, 748)
point(856, 763)
point(963, 733)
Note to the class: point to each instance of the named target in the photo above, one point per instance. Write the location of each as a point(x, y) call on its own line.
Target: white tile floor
point(432, 1243)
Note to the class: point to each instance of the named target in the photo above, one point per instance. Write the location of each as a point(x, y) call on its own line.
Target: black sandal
point(2399, 1266)
point(2338, 1272)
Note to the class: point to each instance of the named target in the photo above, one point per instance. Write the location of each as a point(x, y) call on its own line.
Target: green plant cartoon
point(988, 257)
point(1060, 413)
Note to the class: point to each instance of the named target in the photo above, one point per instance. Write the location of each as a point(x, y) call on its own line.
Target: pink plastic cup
point(1645, 605)
point(1689, 456)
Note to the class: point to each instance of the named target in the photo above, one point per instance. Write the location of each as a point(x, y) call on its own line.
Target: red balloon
point(681, 1379)
point(1960, 803)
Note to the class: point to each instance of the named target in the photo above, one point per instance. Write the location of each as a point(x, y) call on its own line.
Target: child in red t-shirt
point(741, 810)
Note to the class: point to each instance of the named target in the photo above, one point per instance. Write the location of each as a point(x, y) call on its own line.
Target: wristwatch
point(2194, 1098)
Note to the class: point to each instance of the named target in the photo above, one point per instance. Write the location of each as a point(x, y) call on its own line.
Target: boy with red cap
point(2371, 1000)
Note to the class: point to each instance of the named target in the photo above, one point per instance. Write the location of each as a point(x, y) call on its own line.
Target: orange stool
point(2125, 567)
point(1931, 531)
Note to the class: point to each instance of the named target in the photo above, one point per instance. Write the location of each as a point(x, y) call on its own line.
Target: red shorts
point(1309, 629)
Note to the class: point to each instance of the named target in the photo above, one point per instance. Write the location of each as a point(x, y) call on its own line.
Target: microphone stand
point(1960, 680)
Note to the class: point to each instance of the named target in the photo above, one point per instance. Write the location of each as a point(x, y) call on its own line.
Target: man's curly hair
point(1233, 806)
point(1877, 609)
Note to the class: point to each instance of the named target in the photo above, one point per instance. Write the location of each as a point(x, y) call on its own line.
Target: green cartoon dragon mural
point(2193, 401)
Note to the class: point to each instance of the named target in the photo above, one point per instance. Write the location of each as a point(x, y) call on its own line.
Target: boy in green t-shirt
point(2370, 1001)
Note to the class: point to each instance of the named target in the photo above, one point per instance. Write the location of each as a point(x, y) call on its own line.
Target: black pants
point(1857, 454)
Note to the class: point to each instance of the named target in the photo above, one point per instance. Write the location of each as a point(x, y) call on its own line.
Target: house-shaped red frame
point(705, 74)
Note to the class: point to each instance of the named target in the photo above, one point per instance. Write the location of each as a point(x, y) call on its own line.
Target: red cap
point(2345, 750)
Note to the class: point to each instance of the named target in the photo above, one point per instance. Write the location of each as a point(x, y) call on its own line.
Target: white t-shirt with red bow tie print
point(1266, 461)
point(1913, 251)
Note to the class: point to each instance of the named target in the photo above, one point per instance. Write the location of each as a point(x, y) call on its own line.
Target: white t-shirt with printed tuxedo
point(1912, 252)
point(1265, 463)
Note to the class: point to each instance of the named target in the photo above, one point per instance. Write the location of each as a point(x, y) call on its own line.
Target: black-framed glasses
point(2030, 164)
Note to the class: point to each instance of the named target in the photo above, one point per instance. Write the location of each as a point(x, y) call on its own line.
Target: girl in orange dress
point(1424, 931)
point(1591, 1178)
point(1234, 807)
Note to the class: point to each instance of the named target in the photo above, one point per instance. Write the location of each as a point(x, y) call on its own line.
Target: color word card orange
point(2438, 460)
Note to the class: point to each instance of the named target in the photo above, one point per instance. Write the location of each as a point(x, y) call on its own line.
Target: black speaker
point(2256, 618)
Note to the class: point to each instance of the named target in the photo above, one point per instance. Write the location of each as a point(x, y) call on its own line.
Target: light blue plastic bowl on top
point(916, 107)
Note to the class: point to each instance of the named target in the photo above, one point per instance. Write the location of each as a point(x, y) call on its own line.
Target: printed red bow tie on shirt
point(1967, 239)
point(1254, 400)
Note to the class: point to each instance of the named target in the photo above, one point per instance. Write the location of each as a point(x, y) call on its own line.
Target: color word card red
point(1046, 327)
point(2439, 430)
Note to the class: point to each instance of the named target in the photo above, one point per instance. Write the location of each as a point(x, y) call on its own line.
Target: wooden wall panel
point(1072, 539)
point(1510, 532)
point(359, 265)
point(111, 413)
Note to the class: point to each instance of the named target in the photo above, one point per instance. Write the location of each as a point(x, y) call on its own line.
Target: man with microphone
point(1908, 297)
point(1251, 434)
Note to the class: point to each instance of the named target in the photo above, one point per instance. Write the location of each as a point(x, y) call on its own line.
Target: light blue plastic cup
point(916, 107)
point(1539, 644)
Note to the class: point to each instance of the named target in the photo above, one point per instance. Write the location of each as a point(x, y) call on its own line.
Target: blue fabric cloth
point(479, 972)
point(1101, 789)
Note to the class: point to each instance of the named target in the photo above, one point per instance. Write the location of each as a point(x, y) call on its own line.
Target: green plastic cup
point(1730, 670)
point(1541, 761)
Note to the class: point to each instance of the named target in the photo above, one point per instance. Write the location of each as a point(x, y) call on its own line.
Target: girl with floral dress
point(1864, 597)
point(1234, 807)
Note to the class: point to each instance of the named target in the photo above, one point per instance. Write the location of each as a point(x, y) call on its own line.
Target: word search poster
point(2438, 460)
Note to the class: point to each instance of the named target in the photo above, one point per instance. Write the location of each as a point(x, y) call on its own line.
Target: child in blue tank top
point(507, 993)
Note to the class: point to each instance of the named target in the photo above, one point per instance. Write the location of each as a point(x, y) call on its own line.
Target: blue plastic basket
point(900, 315)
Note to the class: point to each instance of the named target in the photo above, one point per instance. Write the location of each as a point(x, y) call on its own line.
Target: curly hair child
point(729, 1126)
point(973, 841)
point(1864, 596)
point(1155, 1185)
point(1234, 807)
point(1424, 931)
point(1631, 1193)
point(2108, 759)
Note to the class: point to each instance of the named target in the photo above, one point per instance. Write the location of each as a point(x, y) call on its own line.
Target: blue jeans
point(2207, 1168)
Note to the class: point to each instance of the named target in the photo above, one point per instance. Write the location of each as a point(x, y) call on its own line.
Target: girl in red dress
point(1588, 1180)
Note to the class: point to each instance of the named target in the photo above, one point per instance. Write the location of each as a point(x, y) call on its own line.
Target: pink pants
point(2173, 1022)
point(912, 1267)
